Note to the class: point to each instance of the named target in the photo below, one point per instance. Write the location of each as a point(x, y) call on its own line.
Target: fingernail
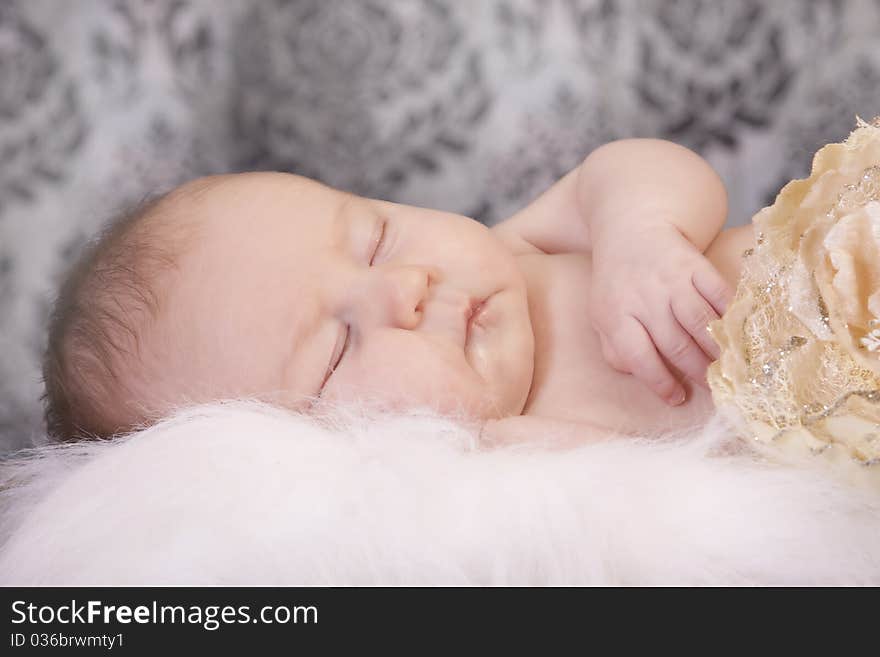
point(677, 397)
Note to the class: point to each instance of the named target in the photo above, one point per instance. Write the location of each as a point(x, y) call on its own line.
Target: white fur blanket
point(241, 493)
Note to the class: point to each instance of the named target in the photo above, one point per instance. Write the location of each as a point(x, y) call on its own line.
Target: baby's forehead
point(255, 222)
point(258, 199)
point(264, 185)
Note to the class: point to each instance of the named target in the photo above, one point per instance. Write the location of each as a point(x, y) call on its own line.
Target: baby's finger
point(712, 286)
point(641, 358)
point(609, 353)
point(694, 314)
point(679, 348)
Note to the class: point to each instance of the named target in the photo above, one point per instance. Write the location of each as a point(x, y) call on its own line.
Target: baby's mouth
point(476, 315)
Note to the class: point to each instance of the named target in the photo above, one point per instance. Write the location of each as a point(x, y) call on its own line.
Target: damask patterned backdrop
point(473, 106)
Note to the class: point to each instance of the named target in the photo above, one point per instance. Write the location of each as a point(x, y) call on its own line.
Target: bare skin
point(573, 382)
point(582, 314)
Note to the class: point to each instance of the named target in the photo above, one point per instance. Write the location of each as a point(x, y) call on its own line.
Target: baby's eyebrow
point(345, 220)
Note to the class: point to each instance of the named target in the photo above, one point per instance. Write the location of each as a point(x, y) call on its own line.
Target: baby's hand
point(653, 295)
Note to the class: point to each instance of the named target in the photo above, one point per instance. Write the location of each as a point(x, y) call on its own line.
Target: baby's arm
point(622, 186)
point(646, 209)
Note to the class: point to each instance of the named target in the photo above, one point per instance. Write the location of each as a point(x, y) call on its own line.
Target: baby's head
point(273, 286)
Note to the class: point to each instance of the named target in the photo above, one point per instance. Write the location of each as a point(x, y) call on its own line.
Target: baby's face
point(296, 291)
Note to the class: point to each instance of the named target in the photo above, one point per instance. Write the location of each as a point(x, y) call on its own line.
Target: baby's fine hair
point(106, 301)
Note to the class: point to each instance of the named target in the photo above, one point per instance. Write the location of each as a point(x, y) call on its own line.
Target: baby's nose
point(401, 292)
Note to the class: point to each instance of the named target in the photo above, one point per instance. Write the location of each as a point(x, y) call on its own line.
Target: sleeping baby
point(588, 308)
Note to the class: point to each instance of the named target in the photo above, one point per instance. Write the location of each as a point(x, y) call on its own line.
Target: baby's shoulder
point(509, 234)
point(552, 223)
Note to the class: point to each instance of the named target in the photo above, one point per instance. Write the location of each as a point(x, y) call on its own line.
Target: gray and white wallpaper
point(473, 106)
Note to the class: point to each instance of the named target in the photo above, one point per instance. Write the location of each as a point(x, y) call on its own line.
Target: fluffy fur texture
point(241, 493)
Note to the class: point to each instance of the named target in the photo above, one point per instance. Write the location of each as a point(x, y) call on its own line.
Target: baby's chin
point(513, 401)
point(512, 339)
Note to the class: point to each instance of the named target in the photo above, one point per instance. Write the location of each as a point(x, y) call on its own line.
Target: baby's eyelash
point(341, 352)
point(335, 364)
point(379, 241)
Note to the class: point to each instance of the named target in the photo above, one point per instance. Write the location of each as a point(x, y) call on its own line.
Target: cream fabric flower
point(848, 275)
point(800, 343)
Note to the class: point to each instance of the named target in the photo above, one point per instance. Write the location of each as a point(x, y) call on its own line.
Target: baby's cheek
point(407, 378)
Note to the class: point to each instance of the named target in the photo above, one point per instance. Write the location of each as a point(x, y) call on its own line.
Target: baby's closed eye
point(378, 240)
point(338, 353)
